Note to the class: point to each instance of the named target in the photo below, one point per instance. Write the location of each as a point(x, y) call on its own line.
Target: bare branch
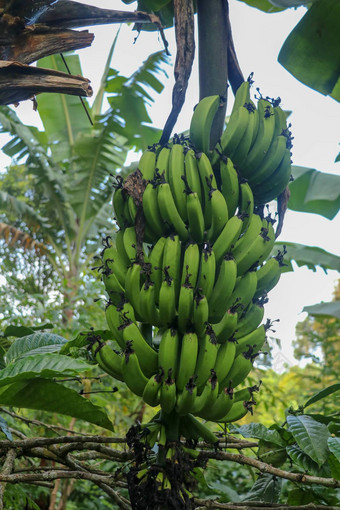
point(7, 468)
point(267, 468)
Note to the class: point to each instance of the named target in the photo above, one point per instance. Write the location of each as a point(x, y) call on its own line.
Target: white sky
point(315, 120)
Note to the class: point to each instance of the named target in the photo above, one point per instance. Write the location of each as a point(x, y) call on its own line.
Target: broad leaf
point(331, 309)
point(259, 431)
point(4, 428)
point(311, 52)
point(304, 462)
point(267, 488)
point(45, 395)
point(19, 331)
point(314, 192)
point(334, 446)
point(26, 212)
point(29, 343)
point(322, 394)
point(334, 465)
point(310, 256)
point(41, 365)
point(63, 115)
point(311, 436)
point(263, 5)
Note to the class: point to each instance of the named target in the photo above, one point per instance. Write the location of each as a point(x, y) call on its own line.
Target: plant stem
point(213, 41)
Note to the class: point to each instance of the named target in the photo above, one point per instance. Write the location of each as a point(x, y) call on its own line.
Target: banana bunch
point(189, 271)
point(257, 140)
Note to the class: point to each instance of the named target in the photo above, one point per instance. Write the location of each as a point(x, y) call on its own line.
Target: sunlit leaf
point(259, 431)
point(304, 462)
point(311, 52)
point(266, 488)
point(314, 192)
point(331, 309)
point(45, 395)
point(322, 394)
point(334, 446)
point(29, 343)
point(41, 365)
point(310, 256)
point(311, 436)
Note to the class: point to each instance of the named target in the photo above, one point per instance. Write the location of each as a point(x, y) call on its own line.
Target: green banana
point(170, 212)
point(130, 243)
point(147, 305)
point(250, 320)
point(224, 361)
point(201, 122)
point(254, 339)
point(207, 398)
point(221, 407)
point(246, 207)
point(168, 352)
point(257, 251)
point(270, 162)
point(250, 234)
point(219, 214)
point(186, 399)
point(279, 180)
point(147, 164)
point(133, 284)
point(177, 185)
point(201, 429)
point(244, 291)
point(118, 203)
point(235, 130)
point(168, 395)
point(237, 411)
point(191, 264)
point(225, 329)
point(172, 261)
point(151, 210)
point(195, 217)
point(151, 392)
point(185, 306)
point(187, 359)
point(147, 356)
point(241, 367)
point(242, 95)
point(162, 163)
point(167, 301)
point(263, 138)
point(230, 186)
point(207, 271)
point(208, 181)
point(240, 153)
point(223, 289)
point(132, 372)
point(192, 173)
point(268, 275)
point(114, 320)
point(108, 360)
point(228, 237)
point(200, 313)
point(156, 262)
point(206, 359)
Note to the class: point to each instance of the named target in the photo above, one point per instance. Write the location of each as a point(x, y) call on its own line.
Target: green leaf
point(300, 496)
point(304, 462)
point(263, 5)
point(259, 431)
point(41, 365)
point(266, 488)
point(310, 256)
point(311, 436)
point(322, 394)
point(311, 52)
point(63, 115)
point(334, 464)
point(331, 309)
point(45, 395)
point(26, 344)
point(337, 159)
point(314, 192)
point(82, 339)
point(334, 446)
point(19, 331)
point(4, 428)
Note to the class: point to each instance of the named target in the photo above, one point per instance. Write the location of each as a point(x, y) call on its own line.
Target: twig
point(267, 468)
point(7, 468)
point(185, 41)
point(45, 441)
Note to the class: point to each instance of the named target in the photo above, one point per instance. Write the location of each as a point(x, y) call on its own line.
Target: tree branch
point(185, 42)
point(7, 468)
point(267, 468)
point(19, 82)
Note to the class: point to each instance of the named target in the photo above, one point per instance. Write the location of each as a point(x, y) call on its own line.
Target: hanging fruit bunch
point(191, 266)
